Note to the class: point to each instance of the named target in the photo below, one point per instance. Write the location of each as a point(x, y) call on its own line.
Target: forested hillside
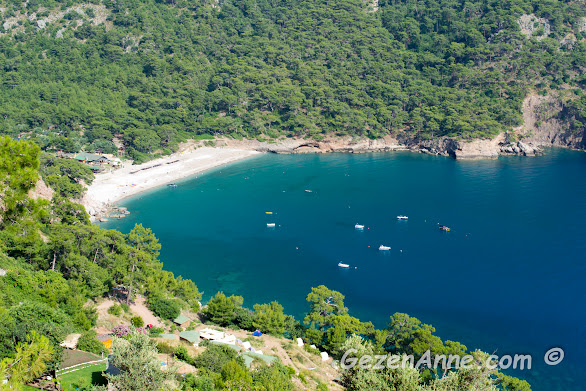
point(155, 72)
point(55, 266)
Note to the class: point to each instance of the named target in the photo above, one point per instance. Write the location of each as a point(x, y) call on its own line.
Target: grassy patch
point(83, 377)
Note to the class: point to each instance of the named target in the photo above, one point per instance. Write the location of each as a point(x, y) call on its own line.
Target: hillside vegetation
point(55, 266)
point(152, 72)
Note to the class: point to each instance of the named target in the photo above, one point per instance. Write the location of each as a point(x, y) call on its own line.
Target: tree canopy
point(149, 73)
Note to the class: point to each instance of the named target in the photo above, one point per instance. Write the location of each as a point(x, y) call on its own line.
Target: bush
point(321, 387)
point(182, 354)
point(115, 310)
point(164, 308)
point(244, 318)
point(201, 382)
point(88, 343)
point(215, 357)
point(156, 331)
point(164, 348)
point(137, 321)
point(125, 307)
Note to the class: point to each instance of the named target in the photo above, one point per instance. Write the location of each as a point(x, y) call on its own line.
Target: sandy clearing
point(111, 187)
point(137, 308)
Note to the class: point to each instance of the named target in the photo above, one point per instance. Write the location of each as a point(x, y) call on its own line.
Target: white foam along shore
point(111, 187)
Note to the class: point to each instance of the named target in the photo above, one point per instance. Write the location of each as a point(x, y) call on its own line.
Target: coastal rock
point(525, 149)
point(545, 124)
point(520, 148)
point(464, 150)
point(478, 149)
point(330, 144)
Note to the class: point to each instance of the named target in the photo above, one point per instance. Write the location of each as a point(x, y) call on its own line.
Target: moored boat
point(359, 226)
point(270, 224)
point(444, 228)
point(345, 265)
point(384, 248)
point(402, 217)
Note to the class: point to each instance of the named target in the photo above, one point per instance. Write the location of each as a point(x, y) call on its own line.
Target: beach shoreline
point(110, 188)
point(195, 157)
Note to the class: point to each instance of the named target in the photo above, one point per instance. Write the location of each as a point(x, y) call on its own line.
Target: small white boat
point(270, 224)
point(358, 226)
point(384, 248)
point(308, 191)
point(401, 217)
point(340, 264)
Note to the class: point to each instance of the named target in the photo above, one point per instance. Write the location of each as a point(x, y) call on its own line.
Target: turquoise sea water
point(509, 278)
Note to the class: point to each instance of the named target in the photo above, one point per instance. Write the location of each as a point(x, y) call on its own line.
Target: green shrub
point(164, 348)
point(182, 354)
point(155, 331)
point(164, 308)
point(88, 343)
point(81, 321)
point(203, 382)
point(321, 387)
point(137, 321)
point(125, 307)
point(215, 357)
point(115, 310)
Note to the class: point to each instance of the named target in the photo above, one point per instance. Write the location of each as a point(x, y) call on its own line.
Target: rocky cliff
point(474, 149)
point(545, 123)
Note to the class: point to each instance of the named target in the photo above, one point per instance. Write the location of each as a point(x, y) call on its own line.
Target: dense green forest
point(154, 72)
point(54, 264)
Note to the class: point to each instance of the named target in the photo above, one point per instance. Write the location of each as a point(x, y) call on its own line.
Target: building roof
point(191, 336)
point(247, 360)
point(251, 356)
point(71, 341)
point(230, 345)
point(103, 337)
point(181, 319)
point(85, 156)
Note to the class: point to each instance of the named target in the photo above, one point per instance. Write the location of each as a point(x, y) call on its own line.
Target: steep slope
point(148, 73)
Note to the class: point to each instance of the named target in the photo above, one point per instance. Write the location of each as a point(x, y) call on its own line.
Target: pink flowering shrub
point(121, 331)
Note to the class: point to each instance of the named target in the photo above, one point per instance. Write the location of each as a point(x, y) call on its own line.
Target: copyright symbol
point(554, 356)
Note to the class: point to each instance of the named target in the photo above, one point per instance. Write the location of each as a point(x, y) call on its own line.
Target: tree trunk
point(54, 258)
point(130, 287)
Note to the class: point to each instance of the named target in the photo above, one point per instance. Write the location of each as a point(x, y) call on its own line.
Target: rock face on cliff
point(41, 190)
point(543, 124)
point(445, 146)
point(330, 144)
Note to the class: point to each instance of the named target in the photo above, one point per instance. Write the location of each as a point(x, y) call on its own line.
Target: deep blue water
point(510, 277)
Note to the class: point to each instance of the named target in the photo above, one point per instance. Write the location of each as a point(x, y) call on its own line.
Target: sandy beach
point(129, 180)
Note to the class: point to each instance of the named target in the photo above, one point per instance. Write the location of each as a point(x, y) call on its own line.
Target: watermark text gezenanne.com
point(517, 361)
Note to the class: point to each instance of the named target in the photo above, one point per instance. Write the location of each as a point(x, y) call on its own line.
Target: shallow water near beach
point(508, 278)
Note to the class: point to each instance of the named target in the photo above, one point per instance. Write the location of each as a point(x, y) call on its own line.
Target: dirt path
point(138, 308)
